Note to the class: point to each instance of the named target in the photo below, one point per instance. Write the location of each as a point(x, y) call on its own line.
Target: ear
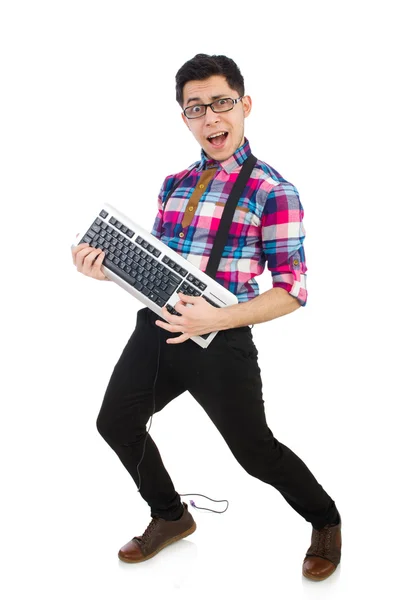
point(247, 105)
point(185, 120)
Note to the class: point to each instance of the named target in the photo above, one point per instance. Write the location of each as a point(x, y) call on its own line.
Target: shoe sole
point(166, 543)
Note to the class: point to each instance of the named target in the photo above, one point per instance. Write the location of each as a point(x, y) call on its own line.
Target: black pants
point(225, 379)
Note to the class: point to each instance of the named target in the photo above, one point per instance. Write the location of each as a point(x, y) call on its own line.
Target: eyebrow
point(212, 97)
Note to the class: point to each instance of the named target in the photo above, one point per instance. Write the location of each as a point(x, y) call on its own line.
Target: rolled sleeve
point(283, 234)
point(158, 222)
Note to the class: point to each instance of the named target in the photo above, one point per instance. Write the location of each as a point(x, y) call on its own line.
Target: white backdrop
point(88, 114)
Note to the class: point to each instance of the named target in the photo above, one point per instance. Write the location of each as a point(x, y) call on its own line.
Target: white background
point(88, 115)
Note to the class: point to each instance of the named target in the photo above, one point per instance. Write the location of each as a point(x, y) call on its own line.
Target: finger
point(76, 249)
point(97, 270)
point(80, 252)
point(88, 264)
point(178, 340)
point(168, 326)
point(187, 299)
point(173, 319)
point(85, 259)
point(180, 306)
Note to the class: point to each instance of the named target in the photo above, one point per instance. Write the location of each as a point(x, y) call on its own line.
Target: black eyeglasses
point(221, 105)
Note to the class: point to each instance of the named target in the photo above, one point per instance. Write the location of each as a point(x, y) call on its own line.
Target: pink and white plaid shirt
point(267, 225)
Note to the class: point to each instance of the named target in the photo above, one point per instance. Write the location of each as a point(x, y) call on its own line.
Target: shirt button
point(181, 235)
point(296, 262)
point(201, 186)
point(190, 208)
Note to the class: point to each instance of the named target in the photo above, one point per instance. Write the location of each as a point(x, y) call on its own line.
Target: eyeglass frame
point(235, 100)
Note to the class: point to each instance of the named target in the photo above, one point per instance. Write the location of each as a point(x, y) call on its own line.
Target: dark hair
point(203, 66)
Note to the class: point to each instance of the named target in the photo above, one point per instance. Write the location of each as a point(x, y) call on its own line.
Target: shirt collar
point(230, 164)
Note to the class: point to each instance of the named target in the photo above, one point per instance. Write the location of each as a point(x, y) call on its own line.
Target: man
point(225, 377)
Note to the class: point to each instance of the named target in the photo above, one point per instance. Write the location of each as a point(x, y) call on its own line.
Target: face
point(230, 124)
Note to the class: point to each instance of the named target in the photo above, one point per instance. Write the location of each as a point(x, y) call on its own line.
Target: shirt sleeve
point(156, 229)
point(283, 234)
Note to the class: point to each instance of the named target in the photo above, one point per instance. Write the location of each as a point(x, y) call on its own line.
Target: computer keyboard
point(148, 269)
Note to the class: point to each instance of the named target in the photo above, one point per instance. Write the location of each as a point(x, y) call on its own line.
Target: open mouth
point(218, 139)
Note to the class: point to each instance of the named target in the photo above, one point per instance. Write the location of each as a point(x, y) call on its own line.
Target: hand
point(197, 319)
point(89, 260)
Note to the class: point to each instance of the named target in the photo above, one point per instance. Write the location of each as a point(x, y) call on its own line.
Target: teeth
point(216, 135)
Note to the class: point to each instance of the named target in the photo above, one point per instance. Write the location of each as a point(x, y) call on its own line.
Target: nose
point(211, 117)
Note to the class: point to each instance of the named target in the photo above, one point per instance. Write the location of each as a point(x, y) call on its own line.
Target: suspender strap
point(227, 216)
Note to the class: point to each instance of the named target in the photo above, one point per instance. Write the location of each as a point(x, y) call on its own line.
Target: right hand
point(88, 261)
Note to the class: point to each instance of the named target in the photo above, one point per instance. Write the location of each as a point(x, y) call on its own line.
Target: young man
point(225, 377)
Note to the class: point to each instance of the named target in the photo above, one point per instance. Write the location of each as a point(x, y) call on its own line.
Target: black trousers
point(225, 380)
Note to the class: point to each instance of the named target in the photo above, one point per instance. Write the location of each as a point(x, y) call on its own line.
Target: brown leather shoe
point(324, 554)
point(159, 534)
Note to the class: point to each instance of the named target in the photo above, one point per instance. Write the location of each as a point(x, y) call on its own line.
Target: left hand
point(194, 320)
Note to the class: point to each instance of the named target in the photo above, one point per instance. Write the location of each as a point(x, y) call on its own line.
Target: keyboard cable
point(192, 503)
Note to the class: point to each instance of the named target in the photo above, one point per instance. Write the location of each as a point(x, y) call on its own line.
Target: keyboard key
point(170, 289)
point(112, 220)
point(103, 214)
point(175, 279)
point(161, 293)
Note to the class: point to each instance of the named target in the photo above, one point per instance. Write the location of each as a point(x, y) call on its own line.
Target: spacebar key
point(122, 274)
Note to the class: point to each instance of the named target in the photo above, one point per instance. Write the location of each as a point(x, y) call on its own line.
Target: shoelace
point(148, 531)
point(322, 541)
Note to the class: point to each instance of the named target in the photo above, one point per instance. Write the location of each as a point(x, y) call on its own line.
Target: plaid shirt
point(267, 224)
